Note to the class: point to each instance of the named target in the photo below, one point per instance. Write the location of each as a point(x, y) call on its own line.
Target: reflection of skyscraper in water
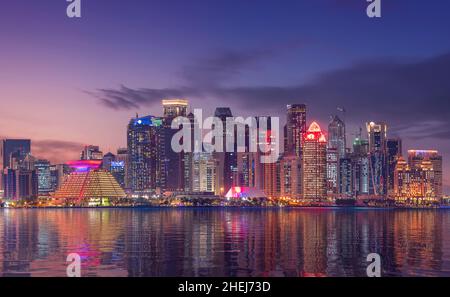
point(19, 242)
point(314, 244)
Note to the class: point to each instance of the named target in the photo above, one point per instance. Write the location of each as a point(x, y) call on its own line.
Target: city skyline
point(63, 104)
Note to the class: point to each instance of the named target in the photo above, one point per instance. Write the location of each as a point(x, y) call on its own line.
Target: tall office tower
point(332, 172)
point(174, 108)
point(143, 153)
point(188, 156)
point(117, 169)
point(295, 128)
point(291, 177)
point(20, 184)
point(336, 147)
point(91, 152)
point(250, 169)
point(377, 133)
point(285, 140)
point(272, 179)
point(346, 178)
point(360, 160)
point(314, 164)
point(42, 168)
point(122, 156)
point(20, 147)
point(415, 184)
point(394, 151)
point(336, 136)
point(416, 157)
point(173, 167)
point(54, 177)
point(204, 176)
point(107, 159)
point(13, 151)
point(227, 161)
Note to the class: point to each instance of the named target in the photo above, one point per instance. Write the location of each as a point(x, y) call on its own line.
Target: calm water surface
point(224, 242)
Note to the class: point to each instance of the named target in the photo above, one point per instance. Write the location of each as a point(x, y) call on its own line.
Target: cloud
point(203, 77)
point(56, 151)
point(399, 92)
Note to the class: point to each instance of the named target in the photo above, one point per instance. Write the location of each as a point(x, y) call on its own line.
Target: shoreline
point(336, 207)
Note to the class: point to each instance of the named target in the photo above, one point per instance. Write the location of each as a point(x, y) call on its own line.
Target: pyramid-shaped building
point(89, 185)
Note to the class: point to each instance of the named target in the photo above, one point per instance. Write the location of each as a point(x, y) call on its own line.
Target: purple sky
point(68, 82)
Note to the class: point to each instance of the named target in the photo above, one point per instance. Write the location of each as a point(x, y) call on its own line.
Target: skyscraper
point(122, 156)
point(173, 162)
point(44, 176)
point(143, 153)
point(227, 161)
point(117, 169)
point(394, 151)
point(21, 147)
point(20, 184)
point(204, 168)
point(360, 166)
point(295, 128)
point(417, 157)
point(107, 159)
point(336, 150)
point(174, 108)
point(314, 164)
point(415, 182)
point(336, 136)
point(345, 178)
point(291, 177)
point(332, 171)
point(377, 133)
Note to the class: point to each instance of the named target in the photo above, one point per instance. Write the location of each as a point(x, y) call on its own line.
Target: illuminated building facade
point(346, 178)
point(20, 147)
point(360, 165)
point(144, 153)
point(89, 185)
point(227, 161)
point(314, 164)
point(20, 184)
point(417, 157)
point(204, 178)
point(117, 169)
point(107, 159)
point(295, 128)
point(393, 151)
point(415, 183)
point(272, 179)
point(122, 156)
point(291, 177)
point(336, 136)
point(42, 168)
point(173, 162)
point(332, 172)
point(377, 134)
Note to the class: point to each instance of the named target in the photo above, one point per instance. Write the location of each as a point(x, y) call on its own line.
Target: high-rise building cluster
point(315, 166)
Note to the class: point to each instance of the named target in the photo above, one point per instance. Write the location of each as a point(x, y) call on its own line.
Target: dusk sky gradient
point(69, 82)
